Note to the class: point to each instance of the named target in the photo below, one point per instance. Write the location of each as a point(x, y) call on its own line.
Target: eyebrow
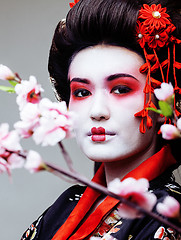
point(82, 80)
point(110, 78)
point(119, 75)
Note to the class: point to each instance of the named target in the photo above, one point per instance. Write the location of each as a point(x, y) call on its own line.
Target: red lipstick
point(98, 134)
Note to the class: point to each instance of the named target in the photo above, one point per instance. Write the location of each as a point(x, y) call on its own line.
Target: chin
point(103, 155)
point(98, 154)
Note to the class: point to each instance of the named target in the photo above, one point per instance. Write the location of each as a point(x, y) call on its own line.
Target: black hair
point(92, 22)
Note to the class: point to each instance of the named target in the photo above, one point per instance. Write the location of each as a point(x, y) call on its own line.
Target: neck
point(119, 169)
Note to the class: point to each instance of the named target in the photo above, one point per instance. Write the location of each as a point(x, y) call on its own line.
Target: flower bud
point(179, 124)
point(164, 93)
point(34, 162)
point(6, 73)
point(170, 207)
point(169, 132)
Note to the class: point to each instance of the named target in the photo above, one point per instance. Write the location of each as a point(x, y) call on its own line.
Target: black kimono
point(62, 221)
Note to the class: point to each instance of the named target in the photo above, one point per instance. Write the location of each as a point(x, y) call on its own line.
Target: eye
point(80, 93)
point(120, 89)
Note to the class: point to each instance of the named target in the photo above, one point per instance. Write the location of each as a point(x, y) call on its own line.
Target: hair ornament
point(53, 83)
point(154, 31)
point(73, 3)
point(154, 16)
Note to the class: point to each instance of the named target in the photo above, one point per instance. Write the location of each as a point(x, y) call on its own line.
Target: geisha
point(100, 65)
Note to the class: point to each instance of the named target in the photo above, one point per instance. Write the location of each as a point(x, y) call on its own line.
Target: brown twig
point(105, 191)
point(82, 179)
point(67, 157)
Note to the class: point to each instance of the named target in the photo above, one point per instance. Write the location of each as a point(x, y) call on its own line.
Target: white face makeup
point(106, 92)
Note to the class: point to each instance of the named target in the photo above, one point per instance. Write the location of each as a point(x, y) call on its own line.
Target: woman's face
point(106, 92)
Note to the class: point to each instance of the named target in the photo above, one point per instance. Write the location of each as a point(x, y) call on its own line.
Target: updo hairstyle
point(92, 22)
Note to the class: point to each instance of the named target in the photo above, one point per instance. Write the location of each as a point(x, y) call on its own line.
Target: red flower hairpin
point(73, 3)
point(155, 16)
point(153, 31)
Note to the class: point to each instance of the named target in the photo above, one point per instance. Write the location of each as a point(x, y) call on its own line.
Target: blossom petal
point(170, 207)
point(34, 162)
point(169, 132)
point(6, 73)
point(28, 91)
point(134, 190)
point(166, 91)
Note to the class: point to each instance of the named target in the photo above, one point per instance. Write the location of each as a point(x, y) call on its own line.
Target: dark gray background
point(26, 30)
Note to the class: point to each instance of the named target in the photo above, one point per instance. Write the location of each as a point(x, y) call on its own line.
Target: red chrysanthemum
point(73, 3)
point(141, 31)
point(155, 16)
point(157, 38)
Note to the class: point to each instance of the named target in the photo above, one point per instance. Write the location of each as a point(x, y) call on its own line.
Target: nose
point(100, 108)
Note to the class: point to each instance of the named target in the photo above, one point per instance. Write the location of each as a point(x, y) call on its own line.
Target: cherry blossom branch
point(18, 78)
point(48, 123)
point(34, 163)
point(66, 157)
point(105, 191)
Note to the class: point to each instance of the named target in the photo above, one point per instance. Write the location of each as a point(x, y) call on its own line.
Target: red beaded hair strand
point(154, 31)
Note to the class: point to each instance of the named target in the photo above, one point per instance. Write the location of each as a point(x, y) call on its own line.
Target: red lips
point(98, 134)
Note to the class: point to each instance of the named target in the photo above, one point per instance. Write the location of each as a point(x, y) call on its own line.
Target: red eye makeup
point(79, 90)
point(123, 86)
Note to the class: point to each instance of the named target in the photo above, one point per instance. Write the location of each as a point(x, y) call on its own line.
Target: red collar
point(150, 169)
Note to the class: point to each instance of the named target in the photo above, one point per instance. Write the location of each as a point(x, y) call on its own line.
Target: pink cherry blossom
point(170, 207)
point(108, 237)
point(9, 140)
point(4, 166)
point(137, 192)
point(48, 122)
point(15, 161)
point(30, 116)
point(165, 92)
point(28, 91)
point(55, 123)
point(49, 132)
point(25, 129)
point(169, 132)
point(9, 161)
point(179, 124)
point(3, 152)
point(127, 185)
point(48, 107)
point(34, 162)
point(6, 73)
point(9, 149)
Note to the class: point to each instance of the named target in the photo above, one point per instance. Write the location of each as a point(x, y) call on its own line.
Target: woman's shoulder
point(146, 228)
point(166, 185)
point(53, 217)
point(151, 229)
point(174, 189)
